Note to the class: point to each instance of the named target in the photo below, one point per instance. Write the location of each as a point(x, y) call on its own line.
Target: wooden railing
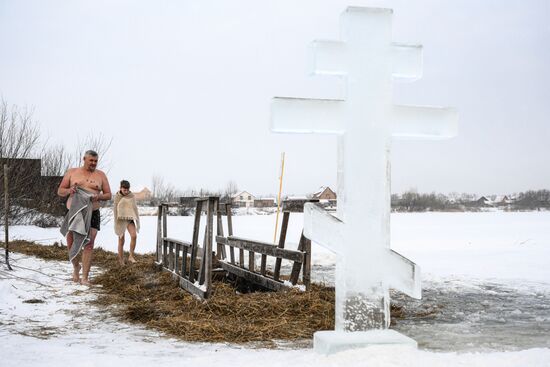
point(180, 257)
point(301, 259)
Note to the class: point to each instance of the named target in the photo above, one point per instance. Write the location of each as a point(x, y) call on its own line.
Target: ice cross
point(365, 123)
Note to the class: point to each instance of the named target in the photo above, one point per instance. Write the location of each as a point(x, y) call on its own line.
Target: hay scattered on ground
point(152, 297)
point(142, 293)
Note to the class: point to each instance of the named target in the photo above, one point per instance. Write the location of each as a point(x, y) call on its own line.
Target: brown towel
point(125, 210)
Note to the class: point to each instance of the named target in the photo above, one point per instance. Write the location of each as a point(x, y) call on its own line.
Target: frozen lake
point(486, 276)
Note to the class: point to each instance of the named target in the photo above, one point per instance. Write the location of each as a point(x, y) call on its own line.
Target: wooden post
point(195, 241)
point(6, 216)
point(251, 264)
point(159, 235)
point(165, 221)
point(282, 239)
point(306, 275)
point(184, 263)
point(204, 239)
point(296, 267)
point(208, 246)
point(164, 252)
point(230, 231)
point(177, 259)
point(220, 251)
point(171, 264)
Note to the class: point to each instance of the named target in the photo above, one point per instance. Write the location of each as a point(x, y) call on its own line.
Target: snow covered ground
point(487, 273)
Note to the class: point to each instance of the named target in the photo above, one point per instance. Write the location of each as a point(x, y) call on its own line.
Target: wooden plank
point(251, 264)
point(170, 255)
point(159, 235)
point(265, 248)
point(188, 286)
point(263, 265)
point(179, 242)
point(195, 240)
point(177, 258)
point(165, 253)
point(220, 248)
point(192, 288)
point(184, 263)
point(212, 203)
point(306, 275)
point(297, 266)
point(241, 258)
point(253, 277)
point(203, 254)
point(164, 222)
point(282, 239)
point(230, 231)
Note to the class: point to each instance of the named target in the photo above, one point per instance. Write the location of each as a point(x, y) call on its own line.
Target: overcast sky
point(184, 88)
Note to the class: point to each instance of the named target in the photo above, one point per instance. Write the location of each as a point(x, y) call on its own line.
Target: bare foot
point(76, 273)
point(132, 260)
point(121, 262)
point(85, 282)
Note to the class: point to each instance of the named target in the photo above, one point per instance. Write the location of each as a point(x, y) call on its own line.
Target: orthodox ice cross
point(365, 122)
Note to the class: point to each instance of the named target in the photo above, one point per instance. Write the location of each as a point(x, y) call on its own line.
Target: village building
point(143, 195)
point(243, 199)
point(326, 196)
point(264, 203)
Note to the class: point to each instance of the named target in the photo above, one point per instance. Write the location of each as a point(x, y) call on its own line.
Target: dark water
point(470, 314)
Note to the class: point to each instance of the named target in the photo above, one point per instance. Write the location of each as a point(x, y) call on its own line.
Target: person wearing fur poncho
point(126, 217)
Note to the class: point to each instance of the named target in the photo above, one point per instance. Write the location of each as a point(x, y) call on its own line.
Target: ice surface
point(365, 123)
point(328, 342)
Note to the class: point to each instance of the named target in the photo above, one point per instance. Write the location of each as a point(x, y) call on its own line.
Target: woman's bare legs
point(121, 250)
point(133, 240)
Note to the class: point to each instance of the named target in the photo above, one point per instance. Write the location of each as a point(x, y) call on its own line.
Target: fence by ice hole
point(191, 263)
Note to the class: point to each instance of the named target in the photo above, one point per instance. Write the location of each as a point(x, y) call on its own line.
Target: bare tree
point(163, 192)
point(55, 160)
point(231, 189)
point(19, 134)
point(99, 143)
point(19, 144)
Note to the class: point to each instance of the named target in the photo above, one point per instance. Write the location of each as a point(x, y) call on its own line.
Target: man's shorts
point(96, 219)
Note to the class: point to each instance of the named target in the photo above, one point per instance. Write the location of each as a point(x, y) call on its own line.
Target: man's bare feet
point(132, 260)
point(121, 262)
point(76, 273)
point(85, 282)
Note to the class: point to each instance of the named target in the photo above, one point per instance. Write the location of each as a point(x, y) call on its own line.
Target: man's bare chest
point(88, 180)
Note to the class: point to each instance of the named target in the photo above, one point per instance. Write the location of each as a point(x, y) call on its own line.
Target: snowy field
point(488, 274)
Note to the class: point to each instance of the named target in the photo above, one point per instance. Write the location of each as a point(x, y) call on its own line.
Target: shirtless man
point(95, 181)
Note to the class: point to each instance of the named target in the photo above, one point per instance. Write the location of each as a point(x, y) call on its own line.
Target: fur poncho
point(125, 210)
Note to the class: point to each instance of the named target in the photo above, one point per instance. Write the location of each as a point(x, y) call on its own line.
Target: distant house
point(264, 203)
point(143, 195)
point(483, 201)
point(324, 193)
point(501, 200)
point(243, 199)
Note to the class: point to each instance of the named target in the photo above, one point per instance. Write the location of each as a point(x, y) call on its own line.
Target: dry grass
point(144, 294)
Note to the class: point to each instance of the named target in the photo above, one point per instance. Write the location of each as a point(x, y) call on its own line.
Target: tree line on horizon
point(412, 201)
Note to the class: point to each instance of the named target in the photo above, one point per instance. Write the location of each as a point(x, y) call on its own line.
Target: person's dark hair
point(125, 184)
point(91, 153)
